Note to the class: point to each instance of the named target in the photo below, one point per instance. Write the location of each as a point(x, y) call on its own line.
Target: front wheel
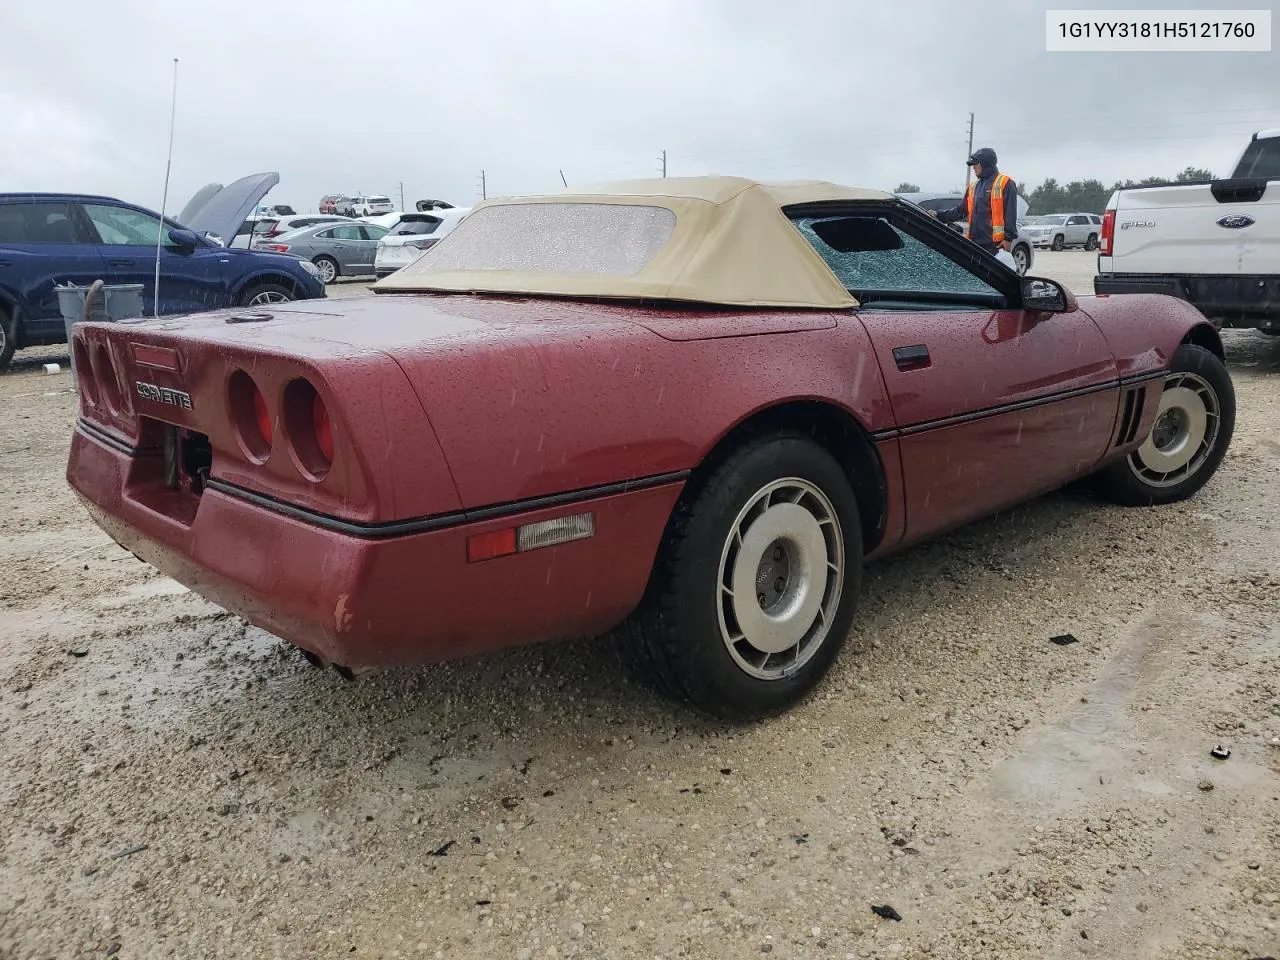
point(1092, 242)
point(1059, 242)
point(265, 293)
point(1022, 259)
point(755, 584)
point(8, 338)
point(1193, 427)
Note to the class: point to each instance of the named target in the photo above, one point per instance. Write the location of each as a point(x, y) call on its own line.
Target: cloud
point(338, 98)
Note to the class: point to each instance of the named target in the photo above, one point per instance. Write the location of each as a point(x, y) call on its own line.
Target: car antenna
point(164, 200)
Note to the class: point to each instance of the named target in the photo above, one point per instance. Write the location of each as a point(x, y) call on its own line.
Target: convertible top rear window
point(556, 238)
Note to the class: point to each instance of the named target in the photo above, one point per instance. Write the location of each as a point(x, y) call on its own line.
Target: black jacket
point(980, 225)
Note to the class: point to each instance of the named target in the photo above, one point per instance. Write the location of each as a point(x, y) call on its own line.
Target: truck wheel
point(8, 336)
point(755, 583)
point(1059, 242)
point(1092, 242)
point(1193, 427)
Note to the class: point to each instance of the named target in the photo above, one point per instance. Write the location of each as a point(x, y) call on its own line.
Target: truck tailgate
point(1184, 229)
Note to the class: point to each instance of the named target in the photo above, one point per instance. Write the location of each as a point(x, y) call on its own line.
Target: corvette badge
point(175, 398)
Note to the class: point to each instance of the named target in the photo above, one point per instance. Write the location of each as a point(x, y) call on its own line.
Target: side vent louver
point(1131, 416)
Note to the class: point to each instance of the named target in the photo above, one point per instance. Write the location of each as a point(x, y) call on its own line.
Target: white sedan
point(414, 233)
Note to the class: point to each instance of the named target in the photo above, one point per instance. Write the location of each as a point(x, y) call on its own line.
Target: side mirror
point(183, 239)
point(1048, 296)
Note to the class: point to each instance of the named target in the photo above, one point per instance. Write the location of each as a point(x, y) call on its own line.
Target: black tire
point(674, 641)
point(1136, 480)
point(276, 291)
point(8, 336)
point(320, 263)
point(1059, 242)
point(1092, 242)
point(1022, 257)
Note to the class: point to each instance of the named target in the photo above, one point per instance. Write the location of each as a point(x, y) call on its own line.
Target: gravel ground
point(178, 784)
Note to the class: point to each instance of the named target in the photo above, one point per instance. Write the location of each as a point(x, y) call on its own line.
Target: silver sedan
point(337, 249)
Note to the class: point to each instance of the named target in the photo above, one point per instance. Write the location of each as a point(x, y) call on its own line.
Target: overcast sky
point(339, 97)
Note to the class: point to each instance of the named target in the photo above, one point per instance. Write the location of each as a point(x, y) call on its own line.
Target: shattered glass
point(559, 238)
point(914, 267)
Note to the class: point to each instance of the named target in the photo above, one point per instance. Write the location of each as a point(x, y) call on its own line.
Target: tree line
point(1081, 196)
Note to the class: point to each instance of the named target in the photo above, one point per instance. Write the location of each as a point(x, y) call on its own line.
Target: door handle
point(915, 357)
point(121, 263)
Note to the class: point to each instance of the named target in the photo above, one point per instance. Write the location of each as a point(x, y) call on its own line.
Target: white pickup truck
point(1215, 243)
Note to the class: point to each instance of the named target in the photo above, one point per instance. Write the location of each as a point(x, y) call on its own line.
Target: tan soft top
point(730, 244)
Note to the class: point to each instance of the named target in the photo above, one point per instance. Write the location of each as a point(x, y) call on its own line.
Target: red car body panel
point(329, 591)
point(460, 415)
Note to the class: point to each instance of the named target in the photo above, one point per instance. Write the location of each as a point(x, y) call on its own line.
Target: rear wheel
point(755, 584)
point(1059, 242)
point(265, 293)
point(328, 268)
point(1193, 427)
point(1092, 242)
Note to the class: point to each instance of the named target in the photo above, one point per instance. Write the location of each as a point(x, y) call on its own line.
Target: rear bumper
point(381, 598)
point(1246, 301)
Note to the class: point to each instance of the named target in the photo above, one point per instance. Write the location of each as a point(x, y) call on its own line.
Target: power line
point(968, 170)
point(921, 135)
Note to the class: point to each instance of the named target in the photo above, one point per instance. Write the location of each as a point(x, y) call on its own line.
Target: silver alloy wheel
point(269, 296)
point(4, 335)
point(1020, 257)
point(780, 578)
point(1184, 434)
point(328, 269)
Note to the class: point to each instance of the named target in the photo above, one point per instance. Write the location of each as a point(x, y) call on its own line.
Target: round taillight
point(104, 372)
point(309, 429)
point(261, 414)
point(251, 415)
point(323, 428)
point(84, 371)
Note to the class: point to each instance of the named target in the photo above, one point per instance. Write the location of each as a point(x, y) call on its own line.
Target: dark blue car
point(47, 239)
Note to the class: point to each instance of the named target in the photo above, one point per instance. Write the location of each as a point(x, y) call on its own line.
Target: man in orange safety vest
point(990, 206)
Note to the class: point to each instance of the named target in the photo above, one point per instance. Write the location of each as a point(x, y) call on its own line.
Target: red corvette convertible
point(690, 408)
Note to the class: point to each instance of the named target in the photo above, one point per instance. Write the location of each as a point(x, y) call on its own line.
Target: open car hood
point(220, 210)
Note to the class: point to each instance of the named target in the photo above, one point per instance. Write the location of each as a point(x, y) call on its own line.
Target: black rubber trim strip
point(987, 412)
point(114, 442)
point(397, 528)
point(1014, 407)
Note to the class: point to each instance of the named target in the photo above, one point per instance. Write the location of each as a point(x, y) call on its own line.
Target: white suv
point(366, 206)
point(414, 233)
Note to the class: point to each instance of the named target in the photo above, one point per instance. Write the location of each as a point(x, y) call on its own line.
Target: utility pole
point(968, 169)
point(483, 187)
point(663, 160)
point(401, 194)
